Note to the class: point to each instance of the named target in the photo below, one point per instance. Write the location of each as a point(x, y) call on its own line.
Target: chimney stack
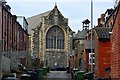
point(3, 2)
point(8, 8)
point(15, 17)
point(99, 22)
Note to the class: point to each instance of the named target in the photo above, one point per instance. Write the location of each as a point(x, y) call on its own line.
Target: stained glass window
point(55, 38)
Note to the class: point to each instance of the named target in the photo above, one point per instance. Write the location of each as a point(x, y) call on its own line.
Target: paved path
point(58, 75)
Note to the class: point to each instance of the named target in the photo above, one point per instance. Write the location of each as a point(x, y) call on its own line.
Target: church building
point(51, 38)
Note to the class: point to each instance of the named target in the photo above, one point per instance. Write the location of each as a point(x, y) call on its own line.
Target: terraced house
point(13, 39)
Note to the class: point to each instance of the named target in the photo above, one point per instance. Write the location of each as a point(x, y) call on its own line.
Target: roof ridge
point(40, 14)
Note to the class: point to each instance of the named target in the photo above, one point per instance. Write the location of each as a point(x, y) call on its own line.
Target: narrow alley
point(60, 40)
point(58, 75)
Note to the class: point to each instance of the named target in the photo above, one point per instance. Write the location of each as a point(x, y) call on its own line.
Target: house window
point(55, 38)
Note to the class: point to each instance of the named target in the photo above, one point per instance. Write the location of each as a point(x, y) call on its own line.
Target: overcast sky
point(75, 10)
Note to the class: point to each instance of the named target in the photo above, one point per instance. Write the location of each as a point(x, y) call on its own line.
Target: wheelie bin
point(33, 75)
point(44, 70)
point(25, 77)
point(80, 75)
point(40, 73)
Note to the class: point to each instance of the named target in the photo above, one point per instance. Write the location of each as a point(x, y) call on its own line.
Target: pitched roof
point(81, 34)
point(103, 32)
point(35, 20)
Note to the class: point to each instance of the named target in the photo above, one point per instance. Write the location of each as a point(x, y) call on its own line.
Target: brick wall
point(96, 55)
point(14, 37)
point(102, 57)
point(115, 41)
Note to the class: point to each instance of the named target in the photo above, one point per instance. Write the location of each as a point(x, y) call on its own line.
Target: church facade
point(51, 38)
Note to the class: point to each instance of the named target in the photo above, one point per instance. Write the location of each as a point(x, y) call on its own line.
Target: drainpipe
point(91, 36)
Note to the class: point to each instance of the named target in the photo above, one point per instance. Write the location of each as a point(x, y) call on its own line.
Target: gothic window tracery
point(55, 38)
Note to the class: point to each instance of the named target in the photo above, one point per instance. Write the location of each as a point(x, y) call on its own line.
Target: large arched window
point(55, 38)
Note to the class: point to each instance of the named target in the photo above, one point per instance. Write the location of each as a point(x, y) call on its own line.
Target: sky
point(75, 10)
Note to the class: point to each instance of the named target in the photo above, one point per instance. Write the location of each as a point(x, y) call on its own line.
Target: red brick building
point(87, 51)
point(79, 60)
point(107, 58)
point(85, 57)
point(103, 44)
point(102, 52)
point(113, 21)
point(12, 36)
point(115, 43)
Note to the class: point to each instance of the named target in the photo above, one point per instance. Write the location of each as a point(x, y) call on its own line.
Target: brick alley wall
point(103, 59)
point(14, 39)
point(115, 41)
point(13, 36)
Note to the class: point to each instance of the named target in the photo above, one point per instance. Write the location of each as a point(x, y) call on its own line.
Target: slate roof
point(81, 34)
point(35, 20)
point(103, 32)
